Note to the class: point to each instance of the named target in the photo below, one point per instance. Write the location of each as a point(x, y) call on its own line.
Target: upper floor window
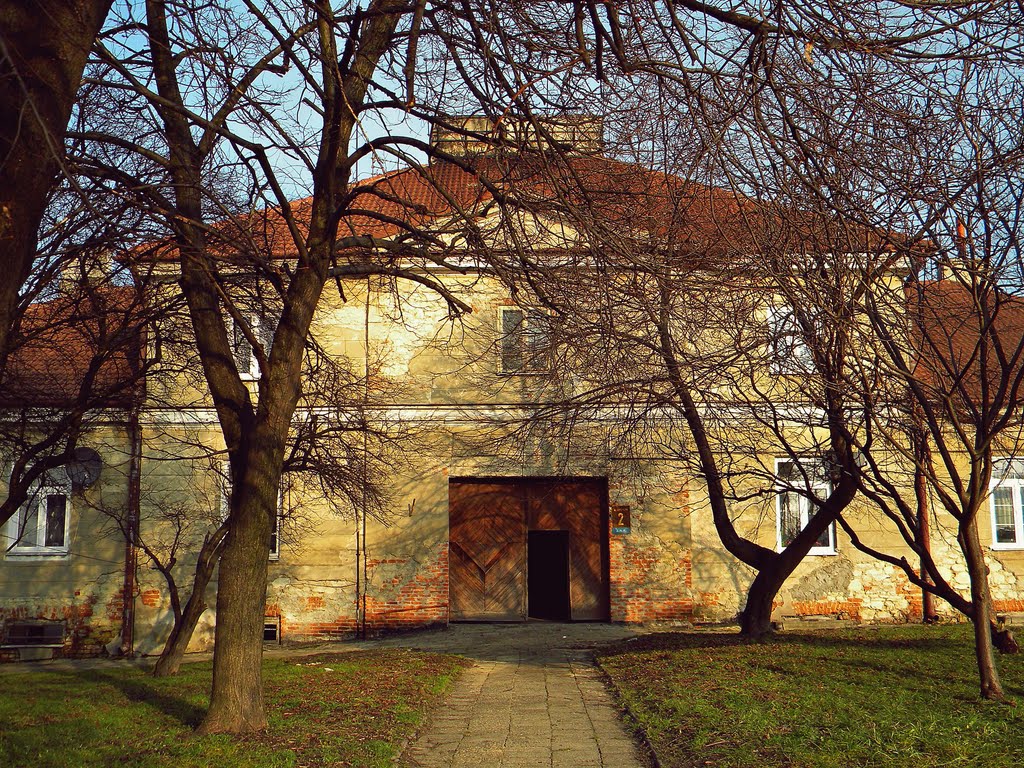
point(788, 351)
point(41, 524)
point(245, 356)
point(1006, 501)
point(525, 340)
point(798, 484)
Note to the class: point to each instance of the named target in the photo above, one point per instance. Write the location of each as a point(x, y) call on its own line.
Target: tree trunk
point(236, 703)
point(988, 674)
point(45, 47)
point(185, 624)
point(181, 633)
point(756, 617)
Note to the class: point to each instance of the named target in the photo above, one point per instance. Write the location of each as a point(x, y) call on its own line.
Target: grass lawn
point(895, 696)
point(348, 709)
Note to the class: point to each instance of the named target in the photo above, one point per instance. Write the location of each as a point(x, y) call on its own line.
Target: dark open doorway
point(547, 568)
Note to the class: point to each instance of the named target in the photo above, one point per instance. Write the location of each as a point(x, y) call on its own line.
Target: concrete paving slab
point(532, 698)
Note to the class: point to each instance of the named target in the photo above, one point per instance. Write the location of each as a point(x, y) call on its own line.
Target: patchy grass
point(348, 709)
point(879, 697)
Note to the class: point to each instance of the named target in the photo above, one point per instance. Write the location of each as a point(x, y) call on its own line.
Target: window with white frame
point(41, 524)
point(1006, 494)
point(525, 340)
point(245, 356)
point(224, 481)
point(788, 352)
point(797, 485)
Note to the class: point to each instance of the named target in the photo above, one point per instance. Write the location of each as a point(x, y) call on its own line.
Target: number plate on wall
point(620, 518)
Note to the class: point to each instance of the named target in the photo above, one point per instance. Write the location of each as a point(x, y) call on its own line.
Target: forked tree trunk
point(236, 703)
point(988, 673)
point(756, 617)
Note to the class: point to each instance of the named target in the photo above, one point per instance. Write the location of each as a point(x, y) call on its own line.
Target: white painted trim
point(38, 495)
point(805, 511)
point(1017, 485)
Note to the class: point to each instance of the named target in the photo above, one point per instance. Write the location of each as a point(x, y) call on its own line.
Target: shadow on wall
point(720, 583)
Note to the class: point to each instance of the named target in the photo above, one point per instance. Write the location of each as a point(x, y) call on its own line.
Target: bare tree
point(43, 50)
point(76, 353)
point(208, 82)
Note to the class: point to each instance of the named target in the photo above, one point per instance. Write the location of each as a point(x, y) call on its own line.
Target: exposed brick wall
point(1008, 606)
point(842, 609)
point(913, 596)
point(648, 582)
point(402, 593)
point(87, 631)
point(400, 597)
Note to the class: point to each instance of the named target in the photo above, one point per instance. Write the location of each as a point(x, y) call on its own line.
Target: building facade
point(476, 483)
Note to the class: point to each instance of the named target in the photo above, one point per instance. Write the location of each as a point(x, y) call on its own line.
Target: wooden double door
point(522, 547)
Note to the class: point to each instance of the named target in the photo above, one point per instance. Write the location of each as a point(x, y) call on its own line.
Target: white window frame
point(224, 487)
point(1012, 479)
point(805, 506)
point(529, 367)
point(37, 497)
point(788, 353)
point(258, 325)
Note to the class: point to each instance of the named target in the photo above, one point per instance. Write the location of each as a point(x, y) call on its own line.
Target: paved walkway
point(532, 698)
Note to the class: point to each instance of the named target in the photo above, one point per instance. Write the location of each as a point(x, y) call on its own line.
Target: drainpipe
point(923, 526)
point(131, 538)
point(366, 449)
point(922, 459)
point(131, 535)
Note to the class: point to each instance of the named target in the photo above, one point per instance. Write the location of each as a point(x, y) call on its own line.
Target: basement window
point(798, 486)
point(271, 629)
point(34, 633)
point(1006, 502)
point(525, 340)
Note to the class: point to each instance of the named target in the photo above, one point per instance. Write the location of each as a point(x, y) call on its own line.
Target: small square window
point(272, 629)
point(798, 482)
point(224, 485)
point(525, 340)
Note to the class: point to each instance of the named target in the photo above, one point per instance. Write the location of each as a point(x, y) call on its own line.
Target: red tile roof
point(956, 333)
point(685, 217)
point(60, 341)
point(596, 192)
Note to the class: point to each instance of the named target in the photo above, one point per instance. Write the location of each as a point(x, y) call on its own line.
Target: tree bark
point(236, 702)
point(181, 633)
point(988, 673)
point(42, 56)
point(756, 616)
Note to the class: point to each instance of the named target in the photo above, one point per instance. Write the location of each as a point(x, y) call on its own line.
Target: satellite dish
point(84, 470)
